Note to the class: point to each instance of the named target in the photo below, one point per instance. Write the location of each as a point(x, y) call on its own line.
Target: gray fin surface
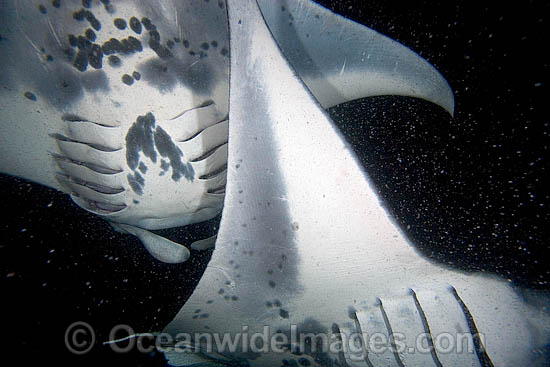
point(340, 60)
point(159, 247)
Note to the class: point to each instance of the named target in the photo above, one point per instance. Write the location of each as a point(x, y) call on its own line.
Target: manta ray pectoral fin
point(305, 245)
point(204, 244)
point(159, 247)
point(340, 60)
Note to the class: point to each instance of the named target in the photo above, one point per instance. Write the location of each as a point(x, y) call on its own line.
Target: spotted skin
point(110, 66)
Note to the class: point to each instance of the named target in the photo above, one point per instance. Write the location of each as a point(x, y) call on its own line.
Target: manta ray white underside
point(124, 105)
point(155, 114)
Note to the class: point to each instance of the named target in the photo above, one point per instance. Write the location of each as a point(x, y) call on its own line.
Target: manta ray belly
point(128, 100)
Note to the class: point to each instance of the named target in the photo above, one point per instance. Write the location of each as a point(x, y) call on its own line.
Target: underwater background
point(470, 191)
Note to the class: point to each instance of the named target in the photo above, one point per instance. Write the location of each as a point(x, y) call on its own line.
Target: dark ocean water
point(470, 191)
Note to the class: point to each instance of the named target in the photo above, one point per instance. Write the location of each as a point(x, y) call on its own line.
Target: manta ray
point(159, 114)
point(124, 105)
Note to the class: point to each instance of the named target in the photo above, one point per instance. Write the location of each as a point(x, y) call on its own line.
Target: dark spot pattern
point(72, 40)
point(30, 96)
point(283, 313)
point(127, 79)
point(136, 75)
point(79, 15)
point(147, 24)
point(120, 23)
point(114, 61)
point(90, 34)
point(56, 3)
point(95, 56)
point(147, 138)
point(81, 61)
point(86, 3)
point(140, 139)
point(90, 17)
point(168, 149)
point(136, 182)
point(142, 167)
point(42, 9)
point(135, 25)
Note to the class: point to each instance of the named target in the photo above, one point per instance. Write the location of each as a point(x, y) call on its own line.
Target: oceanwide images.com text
point(80, 339)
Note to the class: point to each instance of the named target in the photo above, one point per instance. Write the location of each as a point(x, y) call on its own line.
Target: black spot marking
point(304, 361)
point(31, 96)
point(136, 75)
point(42, 9)
point(49, 58)
point(214, 44)
point(186, 43)
point(170, 44)
point(168, 149)
point(164, 165)
point(90, 17)
point(221, 4)
point(268, 304)
point(56, 3)
point(95, 56)
point(209, 302)
point(272, 284)
point(114, 61)
point(224, 51)
point(133, 45)
point(283, 313)
point(135, 201)
point(177, 40)
point(83, 43)
point(136, 182)
point(221, 291)
point(155, 35)
point(79, 15)
point(112, 46)
point(135, 25)
point(72, 40)
point(159, 49)
point(90, 34)
point(205, 46)
point(140, 139)
point(277, 303)
point(86, 3)
point(142, 167)
point(147, 24)
point(197, 310)
point(120, 23)
point(234, 298)
point(127, 79)
point(81, 61)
